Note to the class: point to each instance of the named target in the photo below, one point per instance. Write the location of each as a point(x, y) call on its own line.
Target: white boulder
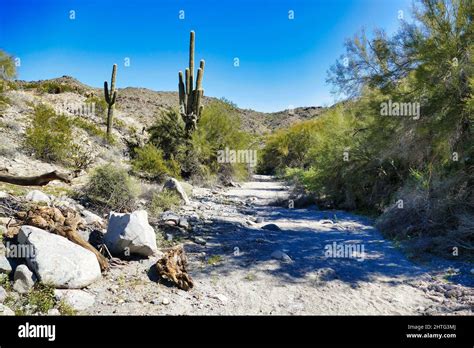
point(56, 260)
point(130, 233)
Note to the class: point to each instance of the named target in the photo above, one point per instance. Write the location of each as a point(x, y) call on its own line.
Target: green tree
point(7, 66)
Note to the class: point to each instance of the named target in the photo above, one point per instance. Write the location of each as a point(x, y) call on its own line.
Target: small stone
point(259, 220)
point(221, 298)
point(54, 311)
point(4, 194)
point(174, 185)
point(200, 240)
point(451, 293)
point(280, 255)
point(271, 227)
point(165, 301)
point(472, 270)
point(4, 310)
point(37, 196)
point(3, 294)
point(326, 222)
point(77, 299)
point(184, 223)
point(91, 218)
point(5, 266)
point(23, 279)
point(170, 216)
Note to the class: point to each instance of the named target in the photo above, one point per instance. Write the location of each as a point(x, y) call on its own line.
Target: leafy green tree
point(7, 66)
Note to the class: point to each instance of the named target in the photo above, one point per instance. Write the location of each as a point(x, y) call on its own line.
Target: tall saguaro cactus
point(110, 97)
point(190, 96)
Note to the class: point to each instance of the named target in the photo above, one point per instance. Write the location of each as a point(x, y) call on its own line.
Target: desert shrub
point(80, 158)
point(65, 309)
point(4, 101)
point(53, 87)
point(432, 214)
point(112, 187)
point(219, 128)
point(162, 201)
point(100, 105)
point(168, 134)
point(39, 300)
point(90, 127)
point(49, 136)
point(41, 297)
point(7, 72)
point(149, 160)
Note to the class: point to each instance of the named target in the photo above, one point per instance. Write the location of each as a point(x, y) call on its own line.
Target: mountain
point(144, 104)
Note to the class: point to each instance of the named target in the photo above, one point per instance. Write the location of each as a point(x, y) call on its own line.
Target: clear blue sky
point(283, 62)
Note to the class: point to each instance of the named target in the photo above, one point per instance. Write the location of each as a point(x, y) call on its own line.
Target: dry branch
point(39, 180)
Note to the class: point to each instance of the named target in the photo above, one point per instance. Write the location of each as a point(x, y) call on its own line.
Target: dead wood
point(63, 222)
point(39, 180)
point(172, 267)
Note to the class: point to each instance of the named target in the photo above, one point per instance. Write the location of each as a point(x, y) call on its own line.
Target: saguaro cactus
point(110, 97)
point(190, 96)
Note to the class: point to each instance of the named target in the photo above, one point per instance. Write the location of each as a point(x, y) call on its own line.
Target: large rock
point(130, 233)
point(24, 279)
point(77, 299)
point(37, 196)
point(173, 185)
point(59, 261)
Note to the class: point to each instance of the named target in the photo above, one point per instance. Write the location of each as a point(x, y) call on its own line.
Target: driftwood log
point(63, 222)
point(172, 267)
point(39, 180)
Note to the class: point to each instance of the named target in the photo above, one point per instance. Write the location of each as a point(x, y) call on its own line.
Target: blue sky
point(283, 62)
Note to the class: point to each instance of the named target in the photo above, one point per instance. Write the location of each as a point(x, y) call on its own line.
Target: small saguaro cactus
point(110, 97)
point(190, 97)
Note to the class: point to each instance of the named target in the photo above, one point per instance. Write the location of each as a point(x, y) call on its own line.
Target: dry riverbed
point(241, 268)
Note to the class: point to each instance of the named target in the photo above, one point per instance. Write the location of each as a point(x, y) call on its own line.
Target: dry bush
point(435, 218)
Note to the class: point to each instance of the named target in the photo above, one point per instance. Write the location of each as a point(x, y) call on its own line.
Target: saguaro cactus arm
point(191, 57)
point(182, 92)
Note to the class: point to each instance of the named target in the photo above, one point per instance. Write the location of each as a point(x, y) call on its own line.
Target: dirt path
point(235, 272)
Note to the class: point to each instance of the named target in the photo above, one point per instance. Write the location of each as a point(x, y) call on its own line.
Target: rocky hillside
point(143, 104)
